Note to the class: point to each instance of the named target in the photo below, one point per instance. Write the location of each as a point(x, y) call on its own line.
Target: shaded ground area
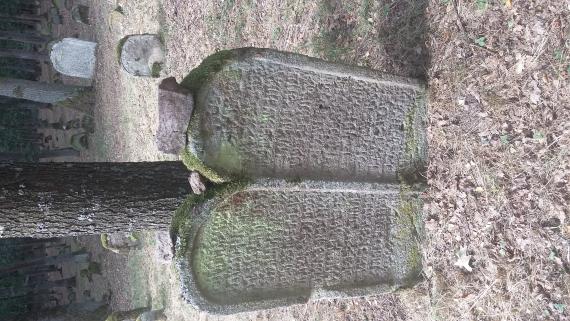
point(499, 174)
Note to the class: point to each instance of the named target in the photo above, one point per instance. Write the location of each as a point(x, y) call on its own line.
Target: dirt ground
point(498, 75)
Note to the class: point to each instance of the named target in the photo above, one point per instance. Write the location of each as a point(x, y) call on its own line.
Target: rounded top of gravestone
point(74, 57)
point(142, 55)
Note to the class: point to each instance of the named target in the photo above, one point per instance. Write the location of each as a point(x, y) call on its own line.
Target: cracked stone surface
point(271, 114)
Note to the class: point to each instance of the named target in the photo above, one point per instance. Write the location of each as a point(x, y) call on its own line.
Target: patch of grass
point(365, 8)
point(334, 39)
point(230, 13)
point(482, 5)
point(156, 69)
point(481, 41)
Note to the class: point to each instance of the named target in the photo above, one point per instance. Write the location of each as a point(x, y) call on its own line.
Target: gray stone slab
point(175, 106)
point(264, 113)
point(74, 57)
point(142, 55)
point(274, 243)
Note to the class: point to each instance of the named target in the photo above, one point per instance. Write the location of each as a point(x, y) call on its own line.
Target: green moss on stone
point(409, 230)
point(195, 164)
point(182, 220)
point(206, 70)
point(120, 48)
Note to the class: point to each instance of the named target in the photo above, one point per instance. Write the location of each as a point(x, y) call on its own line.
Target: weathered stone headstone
point(74, 57)
point(325, 163)
point(264, 113)
point(276, 243)
point(174, 109)
point(142, 55)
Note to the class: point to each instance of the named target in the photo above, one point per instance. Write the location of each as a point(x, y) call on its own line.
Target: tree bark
point(23, 37)
point(23, 54)
point(63, 199)
point(24, 105)
point(22, 17)
point(37, 91)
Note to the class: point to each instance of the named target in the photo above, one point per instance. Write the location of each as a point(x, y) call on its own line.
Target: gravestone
point(319, 169)
point(142, 55)
point(276, 243)
point(74, 57)
point(264, 113)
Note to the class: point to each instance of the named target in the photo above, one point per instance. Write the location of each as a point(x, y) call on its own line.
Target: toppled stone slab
point(175, 106)
point(142, 55)
point(74, 57)
point(264, 113)
point(274, 243)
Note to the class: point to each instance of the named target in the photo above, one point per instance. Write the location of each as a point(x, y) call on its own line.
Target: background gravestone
point(142, 55)
point(74, 57)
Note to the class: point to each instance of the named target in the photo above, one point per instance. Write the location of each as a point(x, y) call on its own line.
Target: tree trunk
point(23, 37)
point(22, 17)
point(48, 285)
point(23, 54)
point(84, 311)
point(63, 199)
point(37, 91)
point(61, 152)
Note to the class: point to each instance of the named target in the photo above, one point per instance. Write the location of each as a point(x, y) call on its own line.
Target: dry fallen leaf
point(508, 4)
point(463, 259)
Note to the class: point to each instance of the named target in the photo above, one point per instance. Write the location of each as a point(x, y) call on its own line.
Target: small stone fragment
point(196, 183)
point(141, 54)
point(163, 247)
point(74, 57)
point(175, 105)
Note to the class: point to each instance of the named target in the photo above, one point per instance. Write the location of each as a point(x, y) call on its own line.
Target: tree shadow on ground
point(388, 35)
